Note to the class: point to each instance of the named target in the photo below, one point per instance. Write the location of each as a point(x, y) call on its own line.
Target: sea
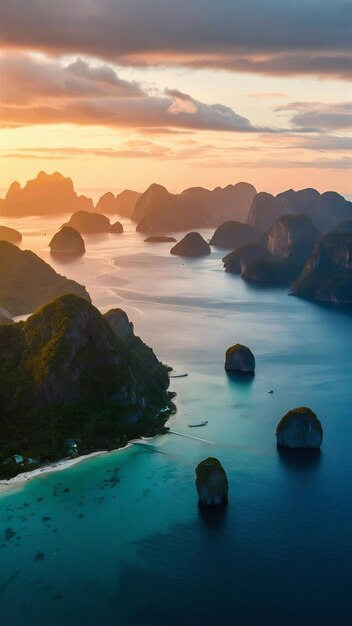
point(118, 539)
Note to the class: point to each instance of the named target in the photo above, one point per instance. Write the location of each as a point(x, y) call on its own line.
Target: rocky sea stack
point(191, 245)
point(299, 428)
point(211, 483)
point(10, 234)
point(240, 359)
point(67, 241)
point(116, 228)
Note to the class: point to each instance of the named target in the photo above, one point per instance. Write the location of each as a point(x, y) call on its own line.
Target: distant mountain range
point(159, 211)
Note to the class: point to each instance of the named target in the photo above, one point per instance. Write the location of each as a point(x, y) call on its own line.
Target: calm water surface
point(119, 540)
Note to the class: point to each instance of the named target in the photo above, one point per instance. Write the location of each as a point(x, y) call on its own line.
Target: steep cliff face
point(292, 235)
point(65, 373)
point(159, 211)
point(326, 210)
point(327, 275)
point(46, 194)
point(289, 244)
point(155, 201)
point(27, 282)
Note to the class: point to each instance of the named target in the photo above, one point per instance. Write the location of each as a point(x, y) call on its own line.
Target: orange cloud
point(42, 91)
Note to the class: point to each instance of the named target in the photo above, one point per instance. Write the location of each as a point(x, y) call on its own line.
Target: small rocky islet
point(239, 358)
point(192, 245)
point(87, 222)
point(211, 483)
point(299, 429)
point(67, 241)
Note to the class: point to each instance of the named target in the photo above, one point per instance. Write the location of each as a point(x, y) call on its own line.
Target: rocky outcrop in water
point(47, 194)
point(27, 282)
point(10, 234)
point(67, 241)
point(233, 234)
point(116, 228)
point(64, 373)
point(87, 222)
point(299, 428)
point(191, 245)
point(239, 358)
point(157, 210)
point(159, 239)
point(327, 275)
point(326, 210)
point(211, 483)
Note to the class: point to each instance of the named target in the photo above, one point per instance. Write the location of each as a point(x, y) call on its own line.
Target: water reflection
point(241, 378)
point(213, 519)
point(64, 258)
point(299, 460)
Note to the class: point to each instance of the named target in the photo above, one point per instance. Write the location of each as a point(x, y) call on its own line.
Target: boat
point(197, 425)
point(178, 375)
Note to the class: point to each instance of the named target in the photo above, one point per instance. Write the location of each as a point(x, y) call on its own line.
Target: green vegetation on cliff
point(65, 375)
point(327, 275)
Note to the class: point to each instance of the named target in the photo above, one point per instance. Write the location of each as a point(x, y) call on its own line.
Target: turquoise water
point(119, 539)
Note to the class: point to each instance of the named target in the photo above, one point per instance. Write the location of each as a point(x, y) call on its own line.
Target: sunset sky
point(123, 93)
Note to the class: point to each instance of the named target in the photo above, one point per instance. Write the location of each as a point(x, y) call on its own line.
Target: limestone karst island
point(175, 313)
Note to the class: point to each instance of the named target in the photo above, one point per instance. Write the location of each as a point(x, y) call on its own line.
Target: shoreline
point(21, 479)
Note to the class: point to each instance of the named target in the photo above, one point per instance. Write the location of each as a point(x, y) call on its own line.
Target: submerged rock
point(299, 428)
point(240, 359)
point(211, 483)
point(192, 244)
point(67, 241)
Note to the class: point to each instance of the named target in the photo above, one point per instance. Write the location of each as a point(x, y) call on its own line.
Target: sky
point(122, 93)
